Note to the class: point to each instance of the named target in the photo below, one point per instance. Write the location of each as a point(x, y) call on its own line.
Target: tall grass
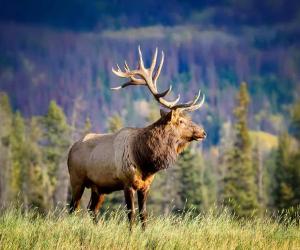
point(206, 231)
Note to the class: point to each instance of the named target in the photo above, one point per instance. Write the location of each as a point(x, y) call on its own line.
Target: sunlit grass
point(208, 231)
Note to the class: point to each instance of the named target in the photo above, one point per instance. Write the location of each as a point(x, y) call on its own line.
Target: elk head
point(181, 122)
point(176, 119)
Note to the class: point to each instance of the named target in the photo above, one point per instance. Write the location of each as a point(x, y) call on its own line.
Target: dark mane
point(155, 147)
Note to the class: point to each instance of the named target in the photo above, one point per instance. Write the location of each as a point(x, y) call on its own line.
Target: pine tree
point(258, 166)
point(283, 193)
point(239, 183)
point(286, 192)
point(56, 136)
point(38, 175)
point(191, 179)
point(295, 158)
point(225, 147)
point(295, 121)
point(5, 130)
point(19, 168)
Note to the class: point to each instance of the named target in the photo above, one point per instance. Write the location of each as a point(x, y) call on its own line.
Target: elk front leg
point(129, 199)
point(142, 199)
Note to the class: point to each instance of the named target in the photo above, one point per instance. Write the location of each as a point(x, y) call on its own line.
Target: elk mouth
point(200, 137)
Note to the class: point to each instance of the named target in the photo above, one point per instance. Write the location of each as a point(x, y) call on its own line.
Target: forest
point(55, 80)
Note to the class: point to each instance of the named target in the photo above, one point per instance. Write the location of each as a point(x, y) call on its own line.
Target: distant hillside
point(115, 14)
point(74, 68)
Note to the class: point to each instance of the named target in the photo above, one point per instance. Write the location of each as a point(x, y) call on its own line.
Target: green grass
point(209, 231)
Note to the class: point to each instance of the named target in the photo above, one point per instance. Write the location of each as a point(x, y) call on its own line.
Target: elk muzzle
point(199, 134)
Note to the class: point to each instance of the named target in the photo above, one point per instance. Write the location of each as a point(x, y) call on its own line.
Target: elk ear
point(163, 113)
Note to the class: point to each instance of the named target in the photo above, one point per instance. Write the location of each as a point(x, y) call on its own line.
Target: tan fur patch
point(142, 184)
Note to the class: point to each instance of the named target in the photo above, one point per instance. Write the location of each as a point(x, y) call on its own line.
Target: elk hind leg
point(95, 204)
point(77, 191)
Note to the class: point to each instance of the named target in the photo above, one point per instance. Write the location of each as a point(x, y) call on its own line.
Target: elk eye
point(181, 121)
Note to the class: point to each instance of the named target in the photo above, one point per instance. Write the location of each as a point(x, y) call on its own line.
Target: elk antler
point(144, 76)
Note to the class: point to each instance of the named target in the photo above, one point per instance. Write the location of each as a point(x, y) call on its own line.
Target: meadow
point(211, 230)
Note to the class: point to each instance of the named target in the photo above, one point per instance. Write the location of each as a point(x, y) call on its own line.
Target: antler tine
point(159, 68)
point(153, 60)
point(141, 62)
point(123, 86)
point(119, 72)
point(168, 104)
point(127, 74)
point(119, 67)
point(164, 93)
point(144, 76)
point(196, 97)
point(194, 107)
point(191, 106)
point(126, 66)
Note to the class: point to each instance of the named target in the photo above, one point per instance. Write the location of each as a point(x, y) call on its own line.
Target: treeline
point(249, 172)
point(103, 14)
point(75, 70)
point(33, 157)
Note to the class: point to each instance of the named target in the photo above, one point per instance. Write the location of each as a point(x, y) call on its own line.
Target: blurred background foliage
point(55, 79)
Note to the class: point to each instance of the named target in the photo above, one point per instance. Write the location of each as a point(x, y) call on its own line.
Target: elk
point(129, 159)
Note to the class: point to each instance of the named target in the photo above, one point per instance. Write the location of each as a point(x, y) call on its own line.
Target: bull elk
point(128, 159)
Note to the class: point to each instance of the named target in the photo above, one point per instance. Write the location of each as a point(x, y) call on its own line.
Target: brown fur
point(128, 159)
point(156, 147)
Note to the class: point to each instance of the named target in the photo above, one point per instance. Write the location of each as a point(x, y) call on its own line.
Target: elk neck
point(155, 147)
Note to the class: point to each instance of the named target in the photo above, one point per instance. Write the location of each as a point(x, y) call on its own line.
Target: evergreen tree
point(283, 193)
point(27, 178)
point(5, 130)
point(295, 121)
point(287, 191)
point(295, 158)
point(296, 154)
point(191, 179)
point(38, 174)
point(259, 170)
point(19, 167)
point(225, 147)
point(56, 142)
point(239, 182)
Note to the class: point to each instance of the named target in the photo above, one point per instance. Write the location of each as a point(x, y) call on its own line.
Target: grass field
point(207, 231)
